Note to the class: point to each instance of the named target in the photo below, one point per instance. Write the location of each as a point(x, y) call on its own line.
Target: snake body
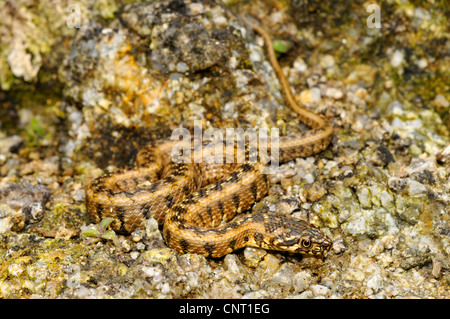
point(198, 205)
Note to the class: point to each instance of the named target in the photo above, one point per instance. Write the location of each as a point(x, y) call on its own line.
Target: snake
point(200, 206)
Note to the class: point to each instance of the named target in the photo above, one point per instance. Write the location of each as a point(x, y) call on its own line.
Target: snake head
point(297, 236)
point(313, 242)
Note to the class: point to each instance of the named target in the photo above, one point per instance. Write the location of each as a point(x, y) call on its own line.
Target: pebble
point(362, 73)
point(395, 108)
point(300, 65)
point(327, 61)
point(26, 204)
point(388, 84)
point(158, 255)
point(437, 267)
point(375, 282)
point(195, 8)
point(305, 295)
point(338, 246)
point(9, 143)
point(407, 125)
point(362, 93)
point(309, 178)
point(415, 188)
point(253, 256)
point(155, 273)
point(397, 58)
point(151, 228)
point(421, 14)
point(234, 267)
point(284, 276)
point(125, 245)
point(23, 195)
point(441, 101)
point(134, 255)
point(422, 63)
point(364, 197)
point(443, 155)
point(396, 184)
point(334, 93)
point(270, 264)
point(6, 213)
point(220, 21)
point(15, 270)
point(417, 166)
point(310, 95)
point(386, 199)
point(255, 55)
point(319, 290)
point(182, 67)
point(359, 223)
point(301, 281)
point(315, 192)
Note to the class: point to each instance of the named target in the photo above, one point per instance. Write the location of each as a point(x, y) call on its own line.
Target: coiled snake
point(196, 204)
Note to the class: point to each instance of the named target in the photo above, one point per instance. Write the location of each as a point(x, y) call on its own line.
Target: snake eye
point(306, 243)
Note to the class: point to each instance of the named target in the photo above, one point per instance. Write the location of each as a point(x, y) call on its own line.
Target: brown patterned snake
point(197, 203)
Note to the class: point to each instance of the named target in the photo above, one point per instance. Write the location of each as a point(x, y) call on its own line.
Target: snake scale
point(198, 204)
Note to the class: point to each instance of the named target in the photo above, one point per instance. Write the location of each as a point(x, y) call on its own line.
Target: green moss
point(281, 46)
point(107, 8)
point(34, 132)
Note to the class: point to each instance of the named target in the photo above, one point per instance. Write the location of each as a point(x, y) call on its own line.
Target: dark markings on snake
point(200, 216)
point(167, 237)
point(232, 243)
point(120, 211)
point(236, 200)
point(209, 247)
point(178, 172)
point(99, 207)
point(254, 189)
point(190, 200)
point(258, 218)
point(129, 194)
point(184, 245)
point(154, 187)
point(203, 193)
point(146, 211)
point(220, 206)
point(179, 209)
point(169, 180)
point(178, 219)
point(258, 238)
point(233, 225)
point(122, 228)
point(169, 200)
point(186, 190)
point(234, 177)
point(209, 212)
point(218, 186)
